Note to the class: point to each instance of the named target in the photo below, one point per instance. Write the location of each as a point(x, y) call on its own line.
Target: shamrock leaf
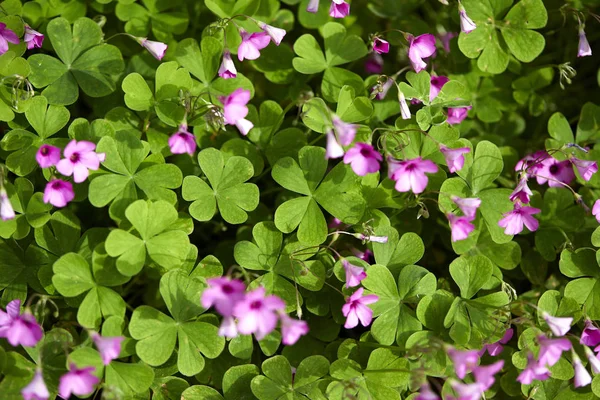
point(582, 264)
point(85, 62)
point(164, 18)
point(157, 333)
point(527, 86)
point(73, 276)
point(29, 207)
point(337, 194)
point(156, 237)
point(227, 188)
point(398, 251)
point(395, 319)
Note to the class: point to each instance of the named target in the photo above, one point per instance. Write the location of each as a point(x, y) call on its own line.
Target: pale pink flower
point(425, 393)
point(593, 360)
point(558, 326)
point(235, 110)
point(36, 390)
point(376, 239)
point(555, 172)
point(495, 349)
point(339, 9)
point(410, 174)
point(385, 88)
point(522, 191)
point(460, 226)
point(468, 206)
point(532, 163)
point(58, 193)
point(455, 159)
point(345, 131)
point(354, 274)
point(80, 157)
point(596, 210)
point(585, 168)
point(552, 349)
point(582, 376)
point(6, 209)
point(584, 48)
point(484, 375)
point(381, 46)
point(514, 220)
point(47, 156)
point(313, 6)
point(19, 329)
point(6, 36)
point(437, 83)
point(108, 346)
point(456, 115)
point(79, 382)
point(227, 69)
point(251, 45)
point(333, 149)
point(404, 109)
point(534, 371)
point(257, 313)
point(466, 391)
point(419, 48)
point(463, 361)
point(466, 24)
point(363, 158)
point(182, 141)
point(276, 34)
point(445, 38)
point(590, 335)
point(156, 49)
point(356, 309)
point(223, 293)
point(291, 329)
point(228, 328)
point(32, 38)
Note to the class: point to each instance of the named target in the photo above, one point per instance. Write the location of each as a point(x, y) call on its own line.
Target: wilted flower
point(584, 48)
point(6, 209)
point(410, 174)
point(460, 226)
point(468, 206)
point(256, 313)
point(6, 36)
point(291, 329)
point(235, 110)
point(534, 371)
point(47, 156)
point(156, 49)
point(339, 9)
point(36, 390)
point(108, 346)
point(463, 361)
point(419, 48)
point(79, 382)
point(363, 158)
point(80, 157)
point(457, 115)
point(455, 160)
point(251, 45)
point(354, 274)
point(58, 193)
point(514, 220)
point(466, 24)
point(227, 69)
point(276, 34)
point(356, 309)
point(381, 46)
point(558, 326)
point(17, 328)
point(32, 38)
point(182, 141)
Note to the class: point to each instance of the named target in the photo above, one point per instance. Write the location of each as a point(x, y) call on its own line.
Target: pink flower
point(425, 393)
point(354, 274)
point(156, 49)
point(257, 313)
point(381, 46)
point(558, 326)
point(596, 210)
point(333, 148)
point(495, 349)
point(276, 34)
point(80, 157)
point(534, 371)
point(419, 48)
point(555, 172)
point(313, 6)
point(468, 206)
point(17, 328)
point(457, 115)
point(551, 350)
point(291, 329)
point(582, 376)
point(445, 39)
point(385, 88)
point(460, 227)
point(437, 83)
point(6, 36)
point(532, 163)
point(374, 64)
point(228, 328)
point(32, 38)
point(363, 158)
point(47, 156)
point(36, 390)
point(522, 191)
point(404, 109)
point(584, 48)
point(410, 174)
point(79, 382)
point(227, 69)
point(484, 375)
point(58, 193)
point(251, 45)
point(109, 347)
point(339, 9)
point(235, 110)
point(593, 360)
point(466, 24)
point(590, 335)
point(513, 220)
point(585, 168)
point(463, 361)
point(366, 255)
point(6, 209)
point(466, 391)
point(454, 157)
point(345, 131)
point(376, 239)
point(356, 309)
point(223, 293)
point(182, 141)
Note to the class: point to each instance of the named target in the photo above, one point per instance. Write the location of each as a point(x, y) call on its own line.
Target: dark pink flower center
point(74, 157)
point(554, 169)
point(45, 151)
point(227, 289)
point(365, 152)
point(56, 185)
point(255, 305)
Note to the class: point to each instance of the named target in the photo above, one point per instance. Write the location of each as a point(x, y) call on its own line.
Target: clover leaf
point(156, 238)
point(30, 210)
point(85, 62)
point(337, 194)
point(165, 18)
point(397, 252)
point(582, 264)
point(228, 188)
point(157, 333)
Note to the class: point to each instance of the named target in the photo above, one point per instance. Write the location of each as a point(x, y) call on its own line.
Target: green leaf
point(310, 58)
point(156, 334)
point(72, 275)
point(237, 381)
point(181, 294)
point(46, 120)
point(138, 95)
point(487, 166)
point(341, 48)
point(202, 63)
point(470, 274)
point(130, 379)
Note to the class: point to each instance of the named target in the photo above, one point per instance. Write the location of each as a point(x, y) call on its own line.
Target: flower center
point(74, 157)
point(255, 305)
point(227, 289)
point(554, 169)
point(56, 185)
point(365, 153)
point(44, 151)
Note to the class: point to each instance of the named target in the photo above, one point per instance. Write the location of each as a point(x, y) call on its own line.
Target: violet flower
point(460, 226)
point(593, 360)
point(354, 274)
point(256, 313)
point(558, 326)
point(80, 157)
point(339, 9)
point(313, 6)
point(385, 88)
point(363, 159)
point(291, 329)
point(156, 49)
point(410, 174)
point(463, 361)
point(466, 24)
point(532, 163)
point(590, 335)
point(584, 49)
point(79, 382)
point(223, 293)
point(455, 160)
point(33, 38)
point(514, 220)
point(585, 168)
point(419, 48)
point(58, 193)
point(552, 349)
point(228, 328)
point(235, 110)
point(333, 148)
point(466, 391)
point(108, 346)
point(374, 64)
point(425, 393)
point(495, 349)
point(381, 46)
point(522, 192)
point(436, 85)
point(227, 69)
point(251, 45)
point(356, 309)
point(555, 172)
point(276, 34)
point(36, 389)
point(6, 209)
point(596, 210)
point(6, 36)
point(182, 141)
point(445, 38)
point(484, 375)
point(17, 328)
point(468, 206)
point(47, 156)
point(457, 115)
point(345, 131)
point(582, 376)
point(534, 371)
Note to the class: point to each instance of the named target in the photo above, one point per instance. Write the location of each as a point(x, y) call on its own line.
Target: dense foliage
point(299, 199)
